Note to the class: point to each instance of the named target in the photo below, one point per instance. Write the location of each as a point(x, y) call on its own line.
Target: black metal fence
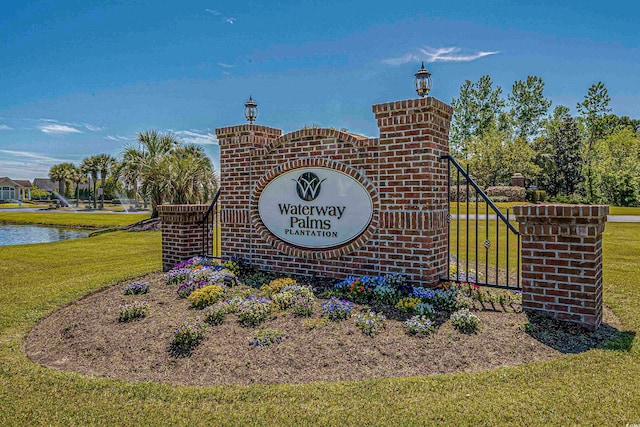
point(211, 230)
point(483, 245)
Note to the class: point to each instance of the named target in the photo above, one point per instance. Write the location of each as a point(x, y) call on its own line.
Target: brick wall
point(181, 232)
point(401, 170)
point(562, 261)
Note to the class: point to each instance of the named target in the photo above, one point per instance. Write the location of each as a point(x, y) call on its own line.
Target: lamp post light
point(422, 82)
point(251, 110)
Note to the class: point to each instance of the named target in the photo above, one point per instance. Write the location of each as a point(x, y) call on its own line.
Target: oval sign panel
point(315, 207)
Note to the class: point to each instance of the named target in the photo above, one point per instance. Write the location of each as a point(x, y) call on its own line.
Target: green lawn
point(503, 206)
point(597, 387)
point(483, 256)
point(89, 220)
point(24, 205)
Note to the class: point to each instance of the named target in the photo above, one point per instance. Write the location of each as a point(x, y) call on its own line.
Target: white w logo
point(308, 186)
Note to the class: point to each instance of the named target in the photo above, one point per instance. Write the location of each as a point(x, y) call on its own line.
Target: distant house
point(45, 184)
point(53, 186)
point(14, 189)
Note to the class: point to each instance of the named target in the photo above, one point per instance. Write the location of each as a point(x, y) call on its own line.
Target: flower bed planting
point(199, 324)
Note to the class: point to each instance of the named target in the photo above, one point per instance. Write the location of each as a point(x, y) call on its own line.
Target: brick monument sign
point(331, 203)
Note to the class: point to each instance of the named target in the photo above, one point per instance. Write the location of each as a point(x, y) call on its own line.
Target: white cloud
point(58, 129)
point(441, 54)
point(118, 138)
point(56, 126)
point(5, 127)
point(227, 19)
point(93, 128)
point(197, 137)
point(223, 65)
point(27, 164)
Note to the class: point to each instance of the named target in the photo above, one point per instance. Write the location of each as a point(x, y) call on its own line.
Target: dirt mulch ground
point(85, 336)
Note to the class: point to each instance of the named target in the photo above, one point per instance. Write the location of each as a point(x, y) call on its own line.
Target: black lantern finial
point(422, 82)
point(250, 110)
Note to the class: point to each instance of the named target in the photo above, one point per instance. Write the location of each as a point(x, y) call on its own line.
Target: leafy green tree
point(477, 111)
point(463, 123)
point(592, 110)
point(495, 157)
point(617, 168)
point(560, 157)
point(38, 193)
point(528, 106)
point(612, 123)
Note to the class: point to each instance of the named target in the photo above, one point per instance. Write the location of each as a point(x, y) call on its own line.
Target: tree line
point(593, 157)
point(157, 169)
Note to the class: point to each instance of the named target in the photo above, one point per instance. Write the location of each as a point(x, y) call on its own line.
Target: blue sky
point(83, 77)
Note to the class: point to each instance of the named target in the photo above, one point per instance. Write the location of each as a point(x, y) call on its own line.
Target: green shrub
point(386, 294)
point(253, 311)
point(336, 309)
point(266, 337)
point(215, 314)
point(510, 194)
point(206, 296)
point(453, 193)
point(370, 322)
point(188, 334)
point(282, 300)
point(424, 309)
point(464, 321)
point(136, 288)
point(134, 311)
point(276, 285)
point(420, 326)
point(535, 196)
point(302, 304)
point(408, 304)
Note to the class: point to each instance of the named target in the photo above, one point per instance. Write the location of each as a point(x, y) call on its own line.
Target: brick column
point(237, 177)
point(562, 261)
point(181, 232)
point(413, 184)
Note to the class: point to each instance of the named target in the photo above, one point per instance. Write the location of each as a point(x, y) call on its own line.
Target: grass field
point(503, 206)
point(597, 387)
point(460, 246)
point(88, 220)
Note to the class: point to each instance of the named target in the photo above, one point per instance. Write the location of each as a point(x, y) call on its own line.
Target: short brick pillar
point(181, 232)
point(562, 261)
point(518, 180)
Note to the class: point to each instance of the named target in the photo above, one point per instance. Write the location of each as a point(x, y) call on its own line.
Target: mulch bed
point(86, 337)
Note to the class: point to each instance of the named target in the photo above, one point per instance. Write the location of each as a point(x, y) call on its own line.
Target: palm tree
point(89, 165)
point(62, 174)
point(77, 176)
point(104, 163)
point(149, 158)
point(128, 172)
point(190, 175)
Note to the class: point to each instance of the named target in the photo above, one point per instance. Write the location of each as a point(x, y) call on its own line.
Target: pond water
point(23, 234)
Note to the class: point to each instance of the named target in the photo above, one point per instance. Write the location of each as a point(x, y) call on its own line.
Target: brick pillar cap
point(169, 209)
point(559, 210)
point(412, 103)
point(248, 128)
